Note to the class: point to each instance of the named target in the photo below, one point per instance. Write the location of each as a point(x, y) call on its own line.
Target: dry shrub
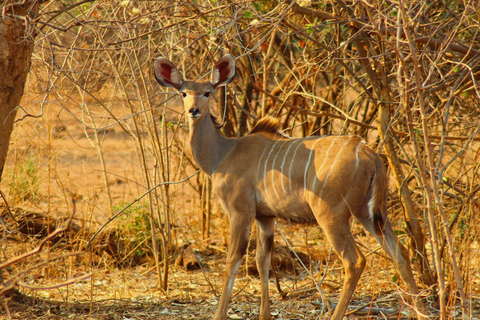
point(321, 67)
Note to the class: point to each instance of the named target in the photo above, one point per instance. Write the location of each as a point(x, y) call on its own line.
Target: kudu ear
point(167, 74)
point(224, 71)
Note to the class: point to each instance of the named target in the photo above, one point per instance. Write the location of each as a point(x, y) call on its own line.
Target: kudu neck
point(209, 147)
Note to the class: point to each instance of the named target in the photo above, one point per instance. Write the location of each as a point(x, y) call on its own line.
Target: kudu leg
point(265, 233)
point(342, 241)
point(239, 233)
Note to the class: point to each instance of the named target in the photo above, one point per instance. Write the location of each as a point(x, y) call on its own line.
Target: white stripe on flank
point(315, 178)
point(312, 151)
point(265, 169)
point(291, 143)
point(331, 168)
point(273, 169)
point(360, 144)
point(357, 165)
point(257, 178)
point(301, 140)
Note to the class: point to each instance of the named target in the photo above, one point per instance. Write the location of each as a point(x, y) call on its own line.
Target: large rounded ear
point(224, 71)
point(167, 74)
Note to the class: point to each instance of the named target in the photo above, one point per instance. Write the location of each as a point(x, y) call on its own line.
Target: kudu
point(264, 175)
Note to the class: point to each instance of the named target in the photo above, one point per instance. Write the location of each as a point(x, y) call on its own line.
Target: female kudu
point(263, 175)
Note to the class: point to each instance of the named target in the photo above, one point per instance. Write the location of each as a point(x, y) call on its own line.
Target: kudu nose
point(194, 112)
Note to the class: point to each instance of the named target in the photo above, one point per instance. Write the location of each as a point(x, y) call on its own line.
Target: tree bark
point(16, 46)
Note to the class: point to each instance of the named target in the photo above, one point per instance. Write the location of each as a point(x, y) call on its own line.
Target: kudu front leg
point(265, 233)
point(239, 233)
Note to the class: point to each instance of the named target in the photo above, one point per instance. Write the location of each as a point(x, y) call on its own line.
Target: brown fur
point(268, 125)
point(216, 121)
point(262, 176)
point(380, 188)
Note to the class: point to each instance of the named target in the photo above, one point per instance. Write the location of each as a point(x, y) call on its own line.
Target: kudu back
point(264, 175)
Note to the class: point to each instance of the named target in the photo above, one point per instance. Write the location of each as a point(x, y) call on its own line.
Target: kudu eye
point(206, 94)
point(183, 94)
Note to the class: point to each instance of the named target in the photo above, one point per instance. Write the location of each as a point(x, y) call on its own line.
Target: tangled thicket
point(401, 74)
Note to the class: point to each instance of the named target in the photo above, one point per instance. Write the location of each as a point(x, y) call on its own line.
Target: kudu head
point(195, 94)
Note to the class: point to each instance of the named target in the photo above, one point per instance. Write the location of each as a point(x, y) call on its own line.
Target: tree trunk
point(16, 46)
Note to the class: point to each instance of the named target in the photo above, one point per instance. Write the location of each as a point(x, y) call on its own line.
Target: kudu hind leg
point(265, 233)
point(239, 233)
point(341, 239)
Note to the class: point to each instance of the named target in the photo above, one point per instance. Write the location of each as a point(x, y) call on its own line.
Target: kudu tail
point(377, 205)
